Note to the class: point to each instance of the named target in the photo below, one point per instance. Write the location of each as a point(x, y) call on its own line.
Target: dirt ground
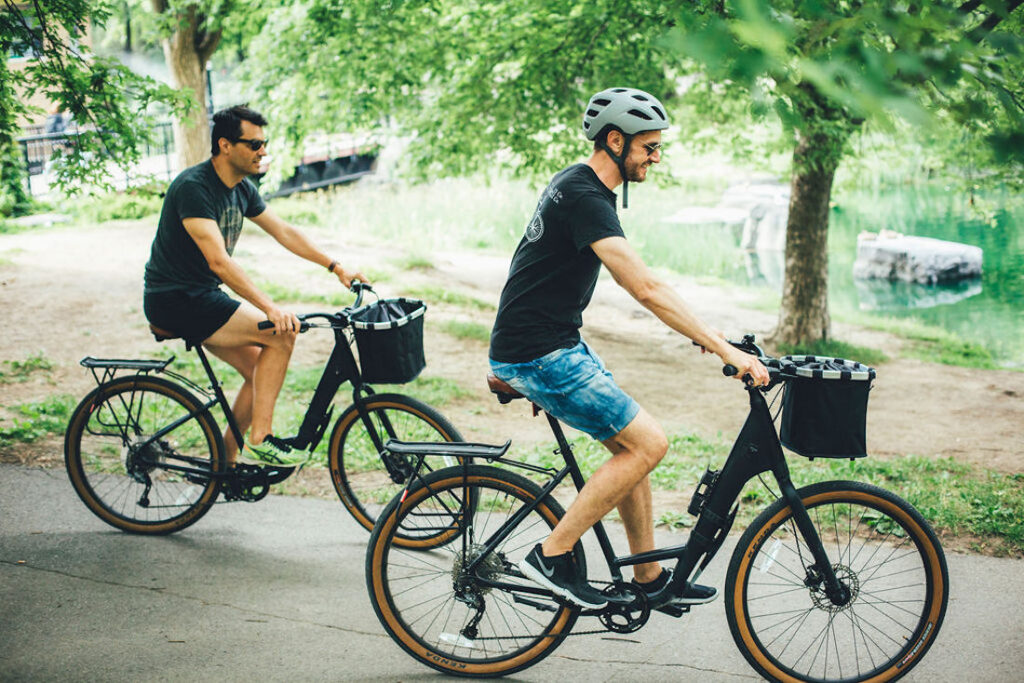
point(68, 292)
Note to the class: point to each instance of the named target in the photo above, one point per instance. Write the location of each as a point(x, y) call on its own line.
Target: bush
point(14, 198)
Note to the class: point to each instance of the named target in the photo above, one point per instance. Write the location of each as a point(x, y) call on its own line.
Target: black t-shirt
point(554, 270)
point(175, 261)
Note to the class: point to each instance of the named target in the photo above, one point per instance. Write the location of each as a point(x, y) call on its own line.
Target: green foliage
point(836, 349)
point(37, 420)
point(14, 198)
point(107, 101)
point(21, 370)
point(466, 329)
point(432, 294)
point(931, 343)
point(139, 202)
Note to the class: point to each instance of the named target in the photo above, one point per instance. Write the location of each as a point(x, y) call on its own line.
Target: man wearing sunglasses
point(536, 346)
point(192, 256)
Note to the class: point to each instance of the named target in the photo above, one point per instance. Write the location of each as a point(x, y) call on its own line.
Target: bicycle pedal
point(673, 610)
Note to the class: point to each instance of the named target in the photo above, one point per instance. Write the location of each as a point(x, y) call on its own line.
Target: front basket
point(824, 406)
point(389, 336)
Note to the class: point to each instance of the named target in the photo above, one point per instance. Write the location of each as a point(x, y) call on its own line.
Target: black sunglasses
point(652, 147)
point(254, 144)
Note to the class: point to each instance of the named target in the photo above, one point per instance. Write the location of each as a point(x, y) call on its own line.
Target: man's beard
point(635, 172)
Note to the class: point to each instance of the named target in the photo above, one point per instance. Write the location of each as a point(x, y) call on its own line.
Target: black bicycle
point(835, 581)
point(144, 451)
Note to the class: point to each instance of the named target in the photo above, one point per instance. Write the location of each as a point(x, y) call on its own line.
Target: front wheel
point(883, 552)
point(464, 608)
point(365, 476)
point(128, 475)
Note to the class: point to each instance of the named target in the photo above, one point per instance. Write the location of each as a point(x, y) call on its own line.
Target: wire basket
point(389, 336)
point(824, 406)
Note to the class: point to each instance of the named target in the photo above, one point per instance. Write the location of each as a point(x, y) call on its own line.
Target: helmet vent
point(640, 97)
point(619, 90)
point(592, 112)
point(602, 102)
point(640, 114)
point(659, 112)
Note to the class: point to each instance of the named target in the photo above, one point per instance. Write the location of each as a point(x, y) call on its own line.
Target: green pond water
point(988, 310)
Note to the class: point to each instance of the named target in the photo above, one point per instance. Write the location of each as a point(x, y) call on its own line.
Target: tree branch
point(980, 32)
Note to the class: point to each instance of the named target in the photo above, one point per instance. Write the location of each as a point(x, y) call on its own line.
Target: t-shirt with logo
point(554, 270)
point(175, 261)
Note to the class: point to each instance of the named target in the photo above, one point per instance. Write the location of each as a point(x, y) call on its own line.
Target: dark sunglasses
point(254, 144)
point(652, 147)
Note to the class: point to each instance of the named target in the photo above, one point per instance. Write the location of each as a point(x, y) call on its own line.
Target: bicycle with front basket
point(835, 581)
point(145, 454)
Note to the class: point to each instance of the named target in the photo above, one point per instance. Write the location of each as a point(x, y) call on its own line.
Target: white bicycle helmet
point(628, 110)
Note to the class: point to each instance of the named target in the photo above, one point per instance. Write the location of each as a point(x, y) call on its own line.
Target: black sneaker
point(561, 576)
point(695, 594)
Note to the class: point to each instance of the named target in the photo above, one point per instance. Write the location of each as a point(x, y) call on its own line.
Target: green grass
point(958, 499)
point(929, 342)
point(835, 349)
point(464, 329)
point(286, 295)
point(433, 294)
point(35, 421)
point(20, 370)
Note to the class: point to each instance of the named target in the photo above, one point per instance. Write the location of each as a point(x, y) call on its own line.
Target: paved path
point(275, 591)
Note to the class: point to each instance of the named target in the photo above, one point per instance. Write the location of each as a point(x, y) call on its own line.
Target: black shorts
point(191, 314)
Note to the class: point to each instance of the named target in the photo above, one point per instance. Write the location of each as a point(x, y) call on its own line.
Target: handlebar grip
point(267, 325)
point(729, 370)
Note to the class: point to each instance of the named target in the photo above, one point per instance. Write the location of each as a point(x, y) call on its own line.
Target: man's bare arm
point(296, 241)
point(206, 234)
point(633, 275)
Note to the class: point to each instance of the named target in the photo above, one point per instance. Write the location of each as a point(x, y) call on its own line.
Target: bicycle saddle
point(161, 334)
point(502, 389)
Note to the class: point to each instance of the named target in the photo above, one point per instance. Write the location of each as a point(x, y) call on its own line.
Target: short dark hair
point(227, 123)
point(602, 136)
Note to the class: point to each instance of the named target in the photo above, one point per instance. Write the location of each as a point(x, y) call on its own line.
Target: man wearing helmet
point(537, 349)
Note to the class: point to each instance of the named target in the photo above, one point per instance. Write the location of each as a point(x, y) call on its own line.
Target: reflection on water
point(886, 295)
point(988, 311)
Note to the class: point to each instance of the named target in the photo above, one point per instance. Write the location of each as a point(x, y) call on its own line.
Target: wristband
point(332, 265)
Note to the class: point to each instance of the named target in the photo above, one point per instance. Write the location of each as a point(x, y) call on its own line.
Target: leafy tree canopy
point(106, 100)
point(507, 81)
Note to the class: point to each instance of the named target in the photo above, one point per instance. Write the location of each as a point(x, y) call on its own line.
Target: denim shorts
point(573, 386)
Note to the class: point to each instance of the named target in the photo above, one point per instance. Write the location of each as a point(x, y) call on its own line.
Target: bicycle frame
point(755, 451)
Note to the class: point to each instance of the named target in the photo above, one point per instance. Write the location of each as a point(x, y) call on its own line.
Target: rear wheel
point(131, 480)
point(882, 551)
point(434, 606)
point(365, 475)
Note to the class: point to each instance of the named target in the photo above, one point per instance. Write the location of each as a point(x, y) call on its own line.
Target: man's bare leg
point(270, 367)
point(637, 512)
point(243, 359)
point(636, 450)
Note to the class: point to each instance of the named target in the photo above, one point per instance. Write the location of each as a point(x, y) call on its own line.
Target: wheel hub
point(848, 578)
point(491, 568)
point(139, 458)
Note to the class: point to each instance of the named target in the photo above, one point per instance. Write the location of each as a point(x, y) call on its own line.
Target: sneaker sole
point(530, 572)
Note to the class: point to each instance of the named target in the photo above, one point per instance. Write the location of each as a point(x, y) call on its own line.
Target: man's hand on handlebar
point(284, 322)
point(348, 277)
point(746, 364)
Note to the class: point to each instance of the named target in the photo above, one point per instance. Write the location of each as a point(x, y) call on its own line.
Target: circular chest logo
point(535, 229)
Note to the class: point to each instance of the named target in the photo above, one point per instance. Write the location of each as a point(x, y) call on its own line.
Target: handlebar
point(333, 319)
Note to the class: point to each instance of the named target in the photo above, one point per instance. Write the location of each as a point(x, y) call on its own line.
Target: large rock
point(893, 256)
point(757, 212)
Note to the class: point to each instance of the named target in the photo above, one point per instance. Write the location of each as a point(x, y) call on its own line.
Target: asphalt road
point(275, 591)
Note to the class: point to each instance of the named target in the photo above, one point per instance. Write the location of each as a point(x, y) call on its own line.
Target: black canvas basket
point(389, 336)
point(825, 406)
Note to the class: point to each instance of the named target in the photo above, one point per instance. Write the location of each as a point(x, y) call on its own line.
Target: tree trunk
point(803, 317)
point(187, 49)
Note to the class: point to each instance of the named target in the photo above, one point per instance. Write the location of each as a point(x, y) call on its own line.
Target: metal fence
point(39, 150)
